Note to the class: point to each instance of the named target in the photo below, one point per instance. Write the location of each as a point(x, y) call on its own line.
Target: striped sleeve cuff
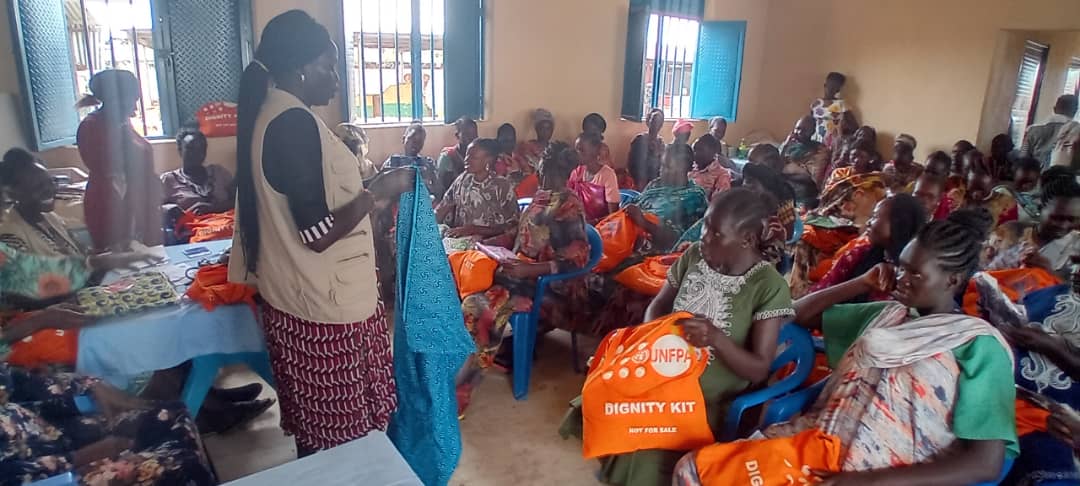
point(317, 230)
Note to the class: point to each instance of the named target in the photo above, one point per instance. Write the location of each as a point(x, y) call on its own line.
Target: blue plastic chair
point(799, 350)
point(525, 324)
point(784, 408)
point(627, 196)
point(204, 370)
point(524, 203)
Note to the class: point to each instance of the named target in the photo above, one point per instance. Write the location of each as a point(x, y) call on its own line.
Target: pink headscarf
point(682, 125)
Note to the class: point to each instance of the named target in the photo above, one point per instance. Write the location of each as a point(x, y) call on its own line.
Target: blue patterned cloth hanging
point(430, 344)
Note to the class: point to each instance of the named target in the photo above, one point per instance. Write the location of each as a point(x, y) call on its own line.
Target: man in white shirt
point(1040, 139)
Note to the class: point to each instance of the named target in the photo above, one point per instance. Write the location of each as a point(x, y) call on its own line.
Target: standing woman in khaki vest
point(304, 238)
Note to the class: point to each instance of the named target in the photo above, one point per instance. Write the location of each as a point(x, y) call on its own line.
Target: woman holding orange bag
point(1048, 364)
point(913, 401)
point(740, 301)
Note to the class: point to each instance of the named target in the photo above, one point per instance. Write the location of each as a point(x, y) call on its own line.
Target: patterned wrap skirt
point(335, 382)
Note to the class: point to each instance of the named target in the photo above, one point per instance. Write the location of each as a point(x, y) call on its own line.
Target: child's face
point(1000, 240)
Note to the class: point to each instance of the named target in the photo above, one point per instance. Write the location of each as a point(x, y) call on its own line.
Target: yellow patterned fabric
point(129, 295)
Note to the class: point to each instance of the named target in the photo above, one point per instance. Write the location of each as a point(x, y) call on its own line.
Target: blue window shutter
point(463, 59)
point(40, 37)
point(633, 96)
point(203, 47)
point(718, 70)
point(694, 9)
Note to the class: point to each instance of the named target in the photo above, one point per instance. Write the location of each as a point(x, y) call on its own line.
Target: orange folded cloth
point(208, 227)
point(212, 288)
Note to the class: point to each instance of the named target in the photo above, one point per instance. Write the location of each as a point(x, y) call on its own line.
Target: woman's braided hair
point(958, 240)
point(1058, 181)
point(754, 212)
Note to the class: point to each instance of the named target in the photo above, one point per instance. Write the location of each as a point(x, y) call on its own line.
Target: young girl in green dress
point(740, 301)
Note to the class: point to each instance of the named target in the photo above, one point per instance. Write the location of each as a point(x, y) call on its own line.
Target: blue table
point(118, 349)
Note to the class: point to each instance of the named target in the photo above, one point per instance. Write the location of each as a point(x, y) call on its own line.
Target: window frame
point(164, 70)
point(466, 75)
point(28, 93)
point(635, 68)
point(1073, 66)
point(1037, 83)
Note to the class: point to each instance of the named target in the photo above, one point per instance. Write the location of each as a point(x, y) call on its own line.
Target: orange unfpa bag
point(642, 392)
point(217, 119)
point(769, 462)
point(473, 271)
point(648, 277)
point(619, 235)
point(1015, 283)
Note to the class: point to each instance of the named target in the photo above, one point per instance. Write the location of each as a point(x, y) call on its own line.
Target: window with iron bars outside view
point(382, 37)
point(670, 50)
point(116, 34)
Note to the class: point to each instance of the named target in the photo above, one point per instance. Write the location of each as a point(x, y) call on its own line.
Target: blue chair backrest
point(596, 251)
point(784, 408)
point(797, 230)
point(627, 196)
point(796, 346)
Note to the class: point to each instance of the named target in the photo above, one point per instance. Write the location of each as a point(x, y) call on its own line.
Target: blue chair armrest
point(800, 351)
point(784, 408)
point(596, 251)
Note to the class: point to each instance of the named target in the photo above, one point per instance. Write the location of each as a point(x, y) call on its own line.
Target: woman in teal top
point(673, 198)
point(921, 394)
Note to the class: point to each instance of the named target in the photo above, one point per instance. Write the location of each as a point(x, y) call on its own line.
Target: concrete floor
point(505, 442)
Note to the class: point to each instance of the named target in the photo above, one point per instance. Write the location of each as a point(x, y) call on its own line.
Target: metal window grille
point(670, 50)
point(1072, 77)
point(116, 34)
point(394, 60)
point(1028, 83)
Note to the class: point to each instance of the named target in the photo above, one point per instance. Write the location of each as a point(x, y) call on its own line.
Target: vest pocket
point(350, 278)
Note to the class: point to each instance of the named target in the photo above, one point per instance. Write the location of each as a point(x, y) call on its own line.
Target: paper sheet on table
point(158, 253)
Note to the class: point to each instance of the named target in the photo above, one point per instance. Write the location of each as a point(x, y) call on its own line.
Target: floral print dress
point(39, 277)
point(41, 428)
point(552, 229)
point(489, 203)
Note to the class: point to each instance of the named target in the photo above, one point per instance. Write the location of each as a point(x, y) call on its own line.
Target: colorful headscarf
point(840, 190)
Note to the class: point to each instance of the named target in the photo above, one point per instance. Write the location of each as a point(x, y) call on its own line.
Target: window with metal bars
point(680, 64)
point(1028, 83)
point(670, 51)
point(397, 57)
point(185, 53)
point(1072, 77)
point(116, 34)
